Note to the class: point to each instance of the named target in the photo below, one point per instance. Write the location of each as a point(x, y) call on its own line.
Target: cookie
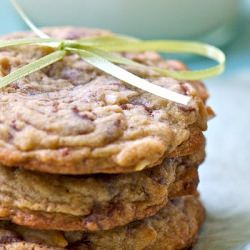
point(174, 227)
point(96, 202)
point(71, 118)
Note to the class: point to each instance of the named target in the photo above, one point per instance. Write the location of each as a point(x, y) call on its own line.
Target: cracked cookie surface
point(71, 118)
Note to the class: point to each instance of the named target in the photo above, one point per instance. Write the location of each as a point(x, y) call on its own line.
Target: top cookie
point(71, 118)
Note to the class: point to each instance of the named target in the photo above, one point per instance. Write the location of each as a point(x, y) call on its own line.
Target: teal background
point(225, 175)
point(9, 20)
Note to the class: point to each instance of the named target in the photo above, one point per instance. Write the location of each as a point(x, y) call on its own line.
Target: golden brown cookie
point(71, 118)
point(175, 227)
point(96, 202)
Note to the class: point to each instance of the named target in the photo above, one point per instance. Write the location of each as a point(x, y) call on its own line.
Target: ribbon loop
point(98, 52)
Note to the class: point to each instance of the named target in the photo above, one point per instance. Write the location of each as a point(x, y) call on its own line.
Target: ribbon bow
point(97, 51)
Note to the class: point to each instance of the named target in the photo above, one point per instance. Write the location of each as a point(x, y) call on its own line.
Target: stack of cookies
point(89, 162)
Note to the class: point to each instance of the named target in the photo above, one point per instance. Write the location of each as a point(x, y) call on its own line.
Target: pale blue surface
point(9, 20)
point(225, 176)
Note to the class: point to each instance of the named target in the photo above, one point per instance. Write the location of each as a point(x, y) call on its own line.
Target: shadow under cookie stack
point(88, 162)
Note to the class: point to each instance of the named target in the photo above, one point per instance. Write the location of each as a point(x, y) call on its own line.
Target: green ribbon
point(97, 51)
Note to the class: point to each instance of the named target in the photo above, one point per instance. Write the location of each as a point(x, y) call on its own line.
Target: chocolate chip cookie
point(96, 202)
point(71, 118)
point(174, 227)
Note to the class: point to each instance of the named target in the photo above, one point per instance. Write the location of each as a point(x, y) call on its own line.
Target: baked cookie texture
point(71, 118)
point(174, 227)
point(92, 203)
point(88, 162)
